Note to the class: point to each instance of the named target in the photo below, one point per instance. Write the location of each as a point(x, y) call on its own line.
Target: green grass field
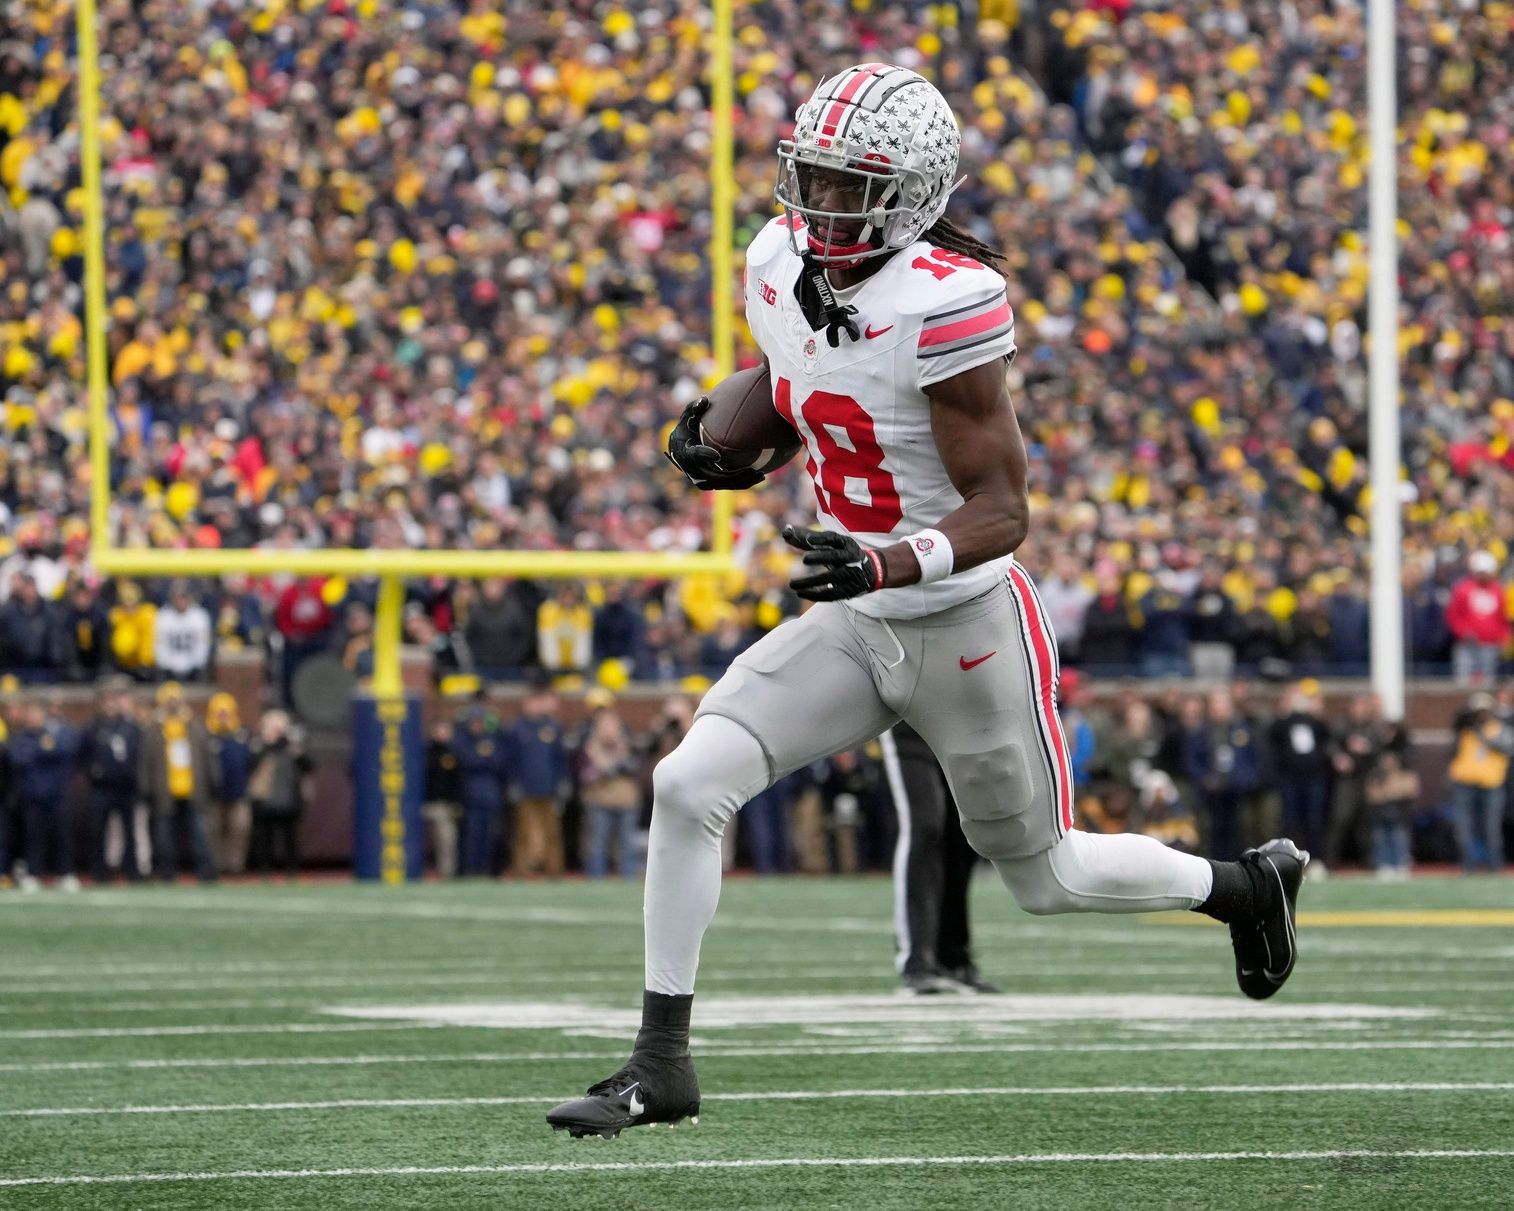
point(332, 1046)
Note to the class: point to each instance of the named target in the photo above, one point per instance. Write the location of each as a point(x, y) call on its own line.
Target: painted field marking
point(787, 1162)
point(277, 979)
point(751, 1051)
point(787, 1095)
point(872, 1009)
point(149, 1032)
point(1020, 931)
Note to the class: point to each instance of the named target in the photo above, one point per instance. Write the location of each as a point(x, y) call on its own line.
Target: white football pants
point(719, 765)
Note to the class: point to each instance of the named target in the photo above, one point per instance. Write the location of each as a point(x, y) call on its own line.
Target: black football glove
point(849, 568)
point(699, 462)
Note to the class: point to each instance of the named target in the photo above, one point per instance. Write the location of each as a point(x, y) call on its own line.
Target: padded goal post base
point(389, 783)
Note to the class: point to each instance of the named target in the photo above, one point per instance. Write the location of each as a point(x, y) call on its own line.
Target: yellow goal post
point(392, 567)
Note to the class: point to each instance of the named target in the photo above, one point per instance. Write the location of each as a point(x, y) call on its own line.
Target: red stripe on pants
point(1045, 676)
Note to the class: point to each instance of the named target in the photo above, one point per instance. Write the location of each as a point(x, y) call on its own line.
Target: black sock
point(664, 1024)
point(1239, 893)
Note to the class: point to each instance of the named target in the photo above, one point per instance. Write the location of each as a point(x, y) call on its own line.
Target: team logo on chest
point(810, 347)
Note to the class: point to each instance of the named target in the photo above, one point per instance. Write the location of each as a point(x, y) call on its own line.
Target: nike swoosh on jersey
point(972, 664)
point(870, 334)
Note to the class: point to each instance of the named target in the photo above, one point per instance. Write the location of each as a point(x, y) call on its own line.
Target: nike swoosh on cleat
point(972, 664)
point(636, 1106)
point(870, 334)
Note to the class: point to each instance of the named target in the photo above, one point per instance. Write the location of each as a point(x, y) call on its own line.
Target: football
point(743, 425)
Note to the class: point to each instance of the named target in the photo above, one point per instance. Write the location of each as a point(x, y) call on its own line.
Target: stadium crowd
point(149, 787)
point(432, 273)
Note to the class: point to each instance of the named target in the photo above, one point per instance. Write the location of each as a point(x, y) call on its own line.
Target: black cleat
point(1266, 948)
point(925, 984)
point(970, 980)
point(649, 1089)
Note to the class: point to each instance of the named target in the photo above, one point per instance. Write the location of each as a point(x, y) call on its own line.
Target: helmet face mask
point(885, 141)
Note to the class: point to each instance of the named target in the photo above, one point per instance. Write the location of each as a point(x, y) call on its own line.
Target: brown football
point(743, 425)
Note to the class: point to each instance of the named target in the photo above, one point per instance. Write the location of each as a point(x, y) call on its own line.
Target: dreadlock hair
point(943, 233)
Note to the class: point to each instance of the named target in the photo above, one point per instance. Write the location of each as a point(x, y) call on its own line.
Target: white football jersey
point(861, 407)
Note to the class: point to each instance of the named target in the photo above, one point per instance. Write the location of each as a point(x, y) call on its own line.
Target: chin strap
point(837, 318)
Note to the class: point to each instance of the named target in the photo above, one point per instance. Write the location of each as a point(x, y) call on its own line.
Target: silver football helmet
point(894, 131)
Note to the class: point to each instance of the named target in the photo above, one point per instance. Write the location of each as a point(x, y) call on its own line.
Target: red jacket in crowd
point(1476, 612)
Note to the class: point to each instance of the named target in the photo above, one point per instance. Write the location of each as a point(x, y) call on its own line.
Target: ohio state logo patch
point(925, 545)
point(809, 347)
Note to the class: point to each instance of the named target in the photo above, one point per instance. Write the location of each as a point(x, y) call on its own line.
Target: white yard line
point(788, 1095)
point(1012, 930)
point(787, 1162)
point(737, 1051)
point(278, 977)
point(150, 1032)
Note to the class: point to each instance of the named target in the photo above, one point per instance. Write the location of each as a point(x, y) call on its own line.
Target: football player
point(887, 333)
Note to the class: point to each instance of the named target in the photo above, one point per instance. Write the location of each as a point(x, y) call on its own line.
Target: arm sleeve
point(975, 327)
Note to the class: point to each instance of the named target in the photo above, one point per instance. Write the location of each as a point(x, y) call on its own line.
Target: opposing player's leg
point(802, 692)
point(1007, 761)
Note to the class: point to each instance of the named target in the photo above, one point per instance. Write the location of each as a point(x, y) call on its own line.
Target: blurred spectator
point(1109, 624)
point(357, 640)
point(9, 831)
point(849, 779)
point(239, 616)
point(1212, 626)
point(1425, 632)
point(766, 828)
point(1478, 620)
point(1162, 633)
point(1307, 633)
point(607, 787)
point(303, 620)
point(86, 631)
point(539, 781)
point(618, 625)
point(1350, 626)
point(1390, 791)
point(1355, 750)
point(1127, 752)
point(1076, 727)
point(43, 753)
point(1478, 773)
point(182, 636)
point(276, 792)
point(1302, 751)
point(112, 756)
point(31, 637)
point(444, 798)
point(481, 753)
point(1163, 814)
point(722, 646)
point(174, 778)
point(565, 630)
point(1066, 596)
point(229, 750)
point(1224, 761)
point(501, 628)
point(133, 626)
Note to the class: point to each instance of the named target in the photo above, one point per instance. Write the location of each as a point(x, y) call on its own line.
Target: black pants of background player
point(933, 863)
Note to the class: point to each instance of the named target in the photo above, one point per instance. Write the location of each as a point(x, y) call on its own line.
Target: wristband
point(933, 552)
point(876, 560)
